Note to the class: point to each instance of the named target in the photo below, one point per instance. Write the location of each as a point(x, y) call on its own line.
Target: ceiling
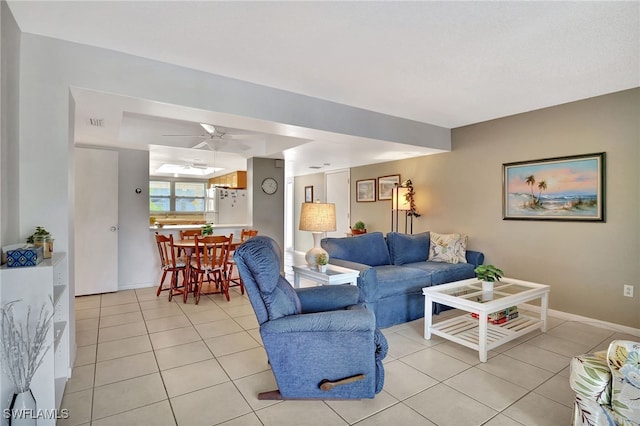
point(448, 64)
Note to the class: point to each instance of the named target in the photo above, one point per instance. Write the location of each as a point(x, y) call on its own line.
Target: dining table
point(189, 245)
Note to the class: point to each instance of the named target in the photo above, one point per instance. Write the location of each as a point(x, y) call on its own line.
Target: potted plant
point(42, 238)
point(358, 228)
point(207, 229)
point(488, 274)
point(321, 260)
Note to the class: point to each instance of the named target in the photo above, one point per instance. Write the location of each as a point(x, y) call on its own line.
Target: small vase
point(23, 409)
point(487, 286)
point(322, 268)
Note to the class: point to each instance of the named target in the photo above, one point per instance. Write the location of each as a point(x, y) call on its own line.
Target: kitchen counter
point(181, 227)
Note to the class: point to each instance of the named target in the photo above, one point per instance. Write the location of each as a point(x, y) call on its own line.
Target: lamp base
point(310, 256)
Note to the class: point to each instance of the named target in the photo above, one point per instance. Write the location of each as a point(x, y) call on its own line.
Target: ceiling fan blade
point(209, 128)
point(189, 136)
point(201, 145)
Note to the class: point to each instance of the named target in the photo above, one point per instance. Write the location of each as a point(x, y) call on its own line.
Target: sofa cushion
point(369, 249)
point(394, 281)
point(450, 248)
point(408, 248)
point(442, 272)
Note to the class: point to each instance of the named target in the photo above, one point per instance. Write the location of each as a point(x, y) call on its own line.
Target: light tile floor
point(142, 360)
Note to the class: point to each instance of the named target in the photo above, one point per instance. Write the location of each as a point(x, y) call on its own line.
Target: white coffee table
point(479, 334)
point(335, 275)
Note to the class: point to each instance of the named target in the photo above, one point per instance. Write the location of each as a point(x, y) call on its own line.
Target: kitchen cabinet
point(235, 180)
point(34, 286)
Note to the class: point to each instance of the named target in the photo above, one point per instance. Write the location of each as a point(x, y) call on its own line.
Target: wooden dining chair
point(245, 234)
point(209, 265)
point(188, 234)
point(171, 264)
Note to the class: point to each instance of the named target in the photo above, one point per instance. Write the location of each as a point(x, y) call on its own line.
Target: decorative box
point(26, 256)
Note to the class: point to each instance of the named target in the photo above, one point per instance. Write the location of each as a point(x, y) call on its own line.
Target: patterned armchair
point(320, 342)
point(607, 385)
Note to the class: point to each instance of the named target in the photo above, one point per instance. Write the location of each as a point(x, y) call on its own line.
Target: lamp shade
point(318, 217)
point(400, 198)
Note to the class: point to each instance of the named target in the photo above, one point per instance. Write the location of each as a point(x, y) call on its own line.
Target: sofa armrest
point(591, 377)
point(367, 280)
point(349, 264)
point(327, 298)
point(476, 258)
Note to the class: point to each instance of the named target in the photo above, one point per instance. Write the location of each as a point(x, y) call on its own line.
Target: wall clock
point(269, 186)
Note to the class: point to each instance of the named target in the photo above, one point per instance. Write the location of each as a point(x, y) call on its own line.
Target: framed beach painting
point(386, 185)
point(366, 190)
point(564, 189)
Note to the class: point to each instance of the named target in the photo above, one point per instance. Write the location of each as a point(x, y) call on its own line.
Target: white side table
point(334, 275)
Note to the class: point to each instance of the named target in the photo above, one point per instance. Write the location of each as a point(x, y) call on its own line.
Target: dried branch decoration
point(22, 349)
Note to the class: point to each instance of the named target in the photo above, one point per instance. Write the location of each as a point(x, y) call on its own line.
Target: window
point(189, 196)
point(183, 197)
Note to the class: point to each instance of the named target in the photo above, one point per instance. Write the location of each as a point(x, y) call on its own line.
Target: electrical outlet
point(628, 291)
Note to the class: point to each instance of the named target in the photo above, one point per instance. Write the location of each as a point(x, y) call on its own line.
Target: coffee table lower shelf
point(464, 330)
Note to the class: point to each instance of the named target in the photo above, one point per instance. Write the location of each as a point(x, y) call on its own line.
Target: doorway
point(337, 190)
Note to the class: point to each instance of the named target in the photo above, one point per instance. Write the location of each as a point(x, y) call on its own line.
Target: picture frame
point(555, 189)
point(366, 190)
point(308, 194)
point(386, 185)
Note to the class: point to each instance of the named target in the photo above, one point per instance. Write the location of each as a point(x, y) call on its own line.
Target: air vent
point(96, 122)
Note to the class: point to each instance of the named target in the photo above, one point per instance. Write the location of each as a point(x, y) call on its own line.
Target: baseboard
point(136, 286)
point(597, 323)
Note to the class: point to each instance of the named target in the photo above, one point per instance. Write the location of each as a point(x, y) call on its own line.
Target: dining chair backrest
point(245, 234)
point(213, 251)
point(166, 250)
point(189, 234)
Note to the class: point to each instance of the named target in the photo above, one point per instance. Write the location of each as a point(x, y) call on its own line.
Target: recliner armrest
point(335, 321)
point(327, 298)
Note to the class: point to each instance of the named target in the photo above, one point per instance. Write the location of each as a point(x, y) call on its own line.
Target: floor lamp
point(400, 202)
point(317, 218)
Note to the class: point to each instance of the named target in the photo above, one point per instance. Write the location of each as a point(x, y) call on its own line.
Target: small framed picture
point(366, 190)
point(308, 194)
point(386, 185)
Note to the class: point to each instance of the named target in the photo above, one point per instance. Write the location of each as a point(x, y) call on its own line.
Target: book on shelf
point(500, 317)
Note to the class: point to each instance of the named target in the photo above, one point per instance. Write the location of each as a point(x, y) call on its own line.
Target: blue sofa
point(394, 270)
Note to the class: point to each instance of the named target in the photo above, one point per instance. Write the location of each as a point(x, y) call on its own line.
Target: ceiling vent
point(96, 122)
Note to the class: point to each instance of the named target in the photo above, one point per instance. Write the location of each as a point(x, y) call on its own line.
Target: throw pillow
point(408, 248)
point(450, 248)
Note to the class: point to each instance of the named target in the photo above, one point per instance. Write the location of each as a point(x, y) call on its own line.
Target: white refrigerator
point(227, 206)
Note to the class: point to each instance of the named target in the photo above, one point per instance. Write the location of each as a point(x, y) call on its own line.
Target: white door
point(337, 184)
point(96, 221)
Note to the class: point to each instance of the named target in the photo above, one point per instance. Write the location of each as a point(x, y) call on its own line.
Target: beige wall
point(586, 264)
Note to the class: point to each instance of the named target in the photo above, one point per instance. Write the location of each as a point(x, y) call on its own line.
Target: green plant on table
point(207, 229)
point(359, 225)
point(322, 259)
point(488, 273)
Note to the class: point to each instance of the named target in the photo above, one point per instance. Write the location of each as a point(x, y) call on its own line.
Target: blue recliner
point(320, 342)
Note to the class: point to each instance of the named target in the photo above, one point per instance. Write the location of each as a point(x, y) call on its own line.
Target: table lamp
point(317, 218)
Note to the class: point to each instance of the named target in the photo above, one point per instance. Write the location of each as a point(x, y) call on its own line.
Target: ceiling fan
point(218, 138)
